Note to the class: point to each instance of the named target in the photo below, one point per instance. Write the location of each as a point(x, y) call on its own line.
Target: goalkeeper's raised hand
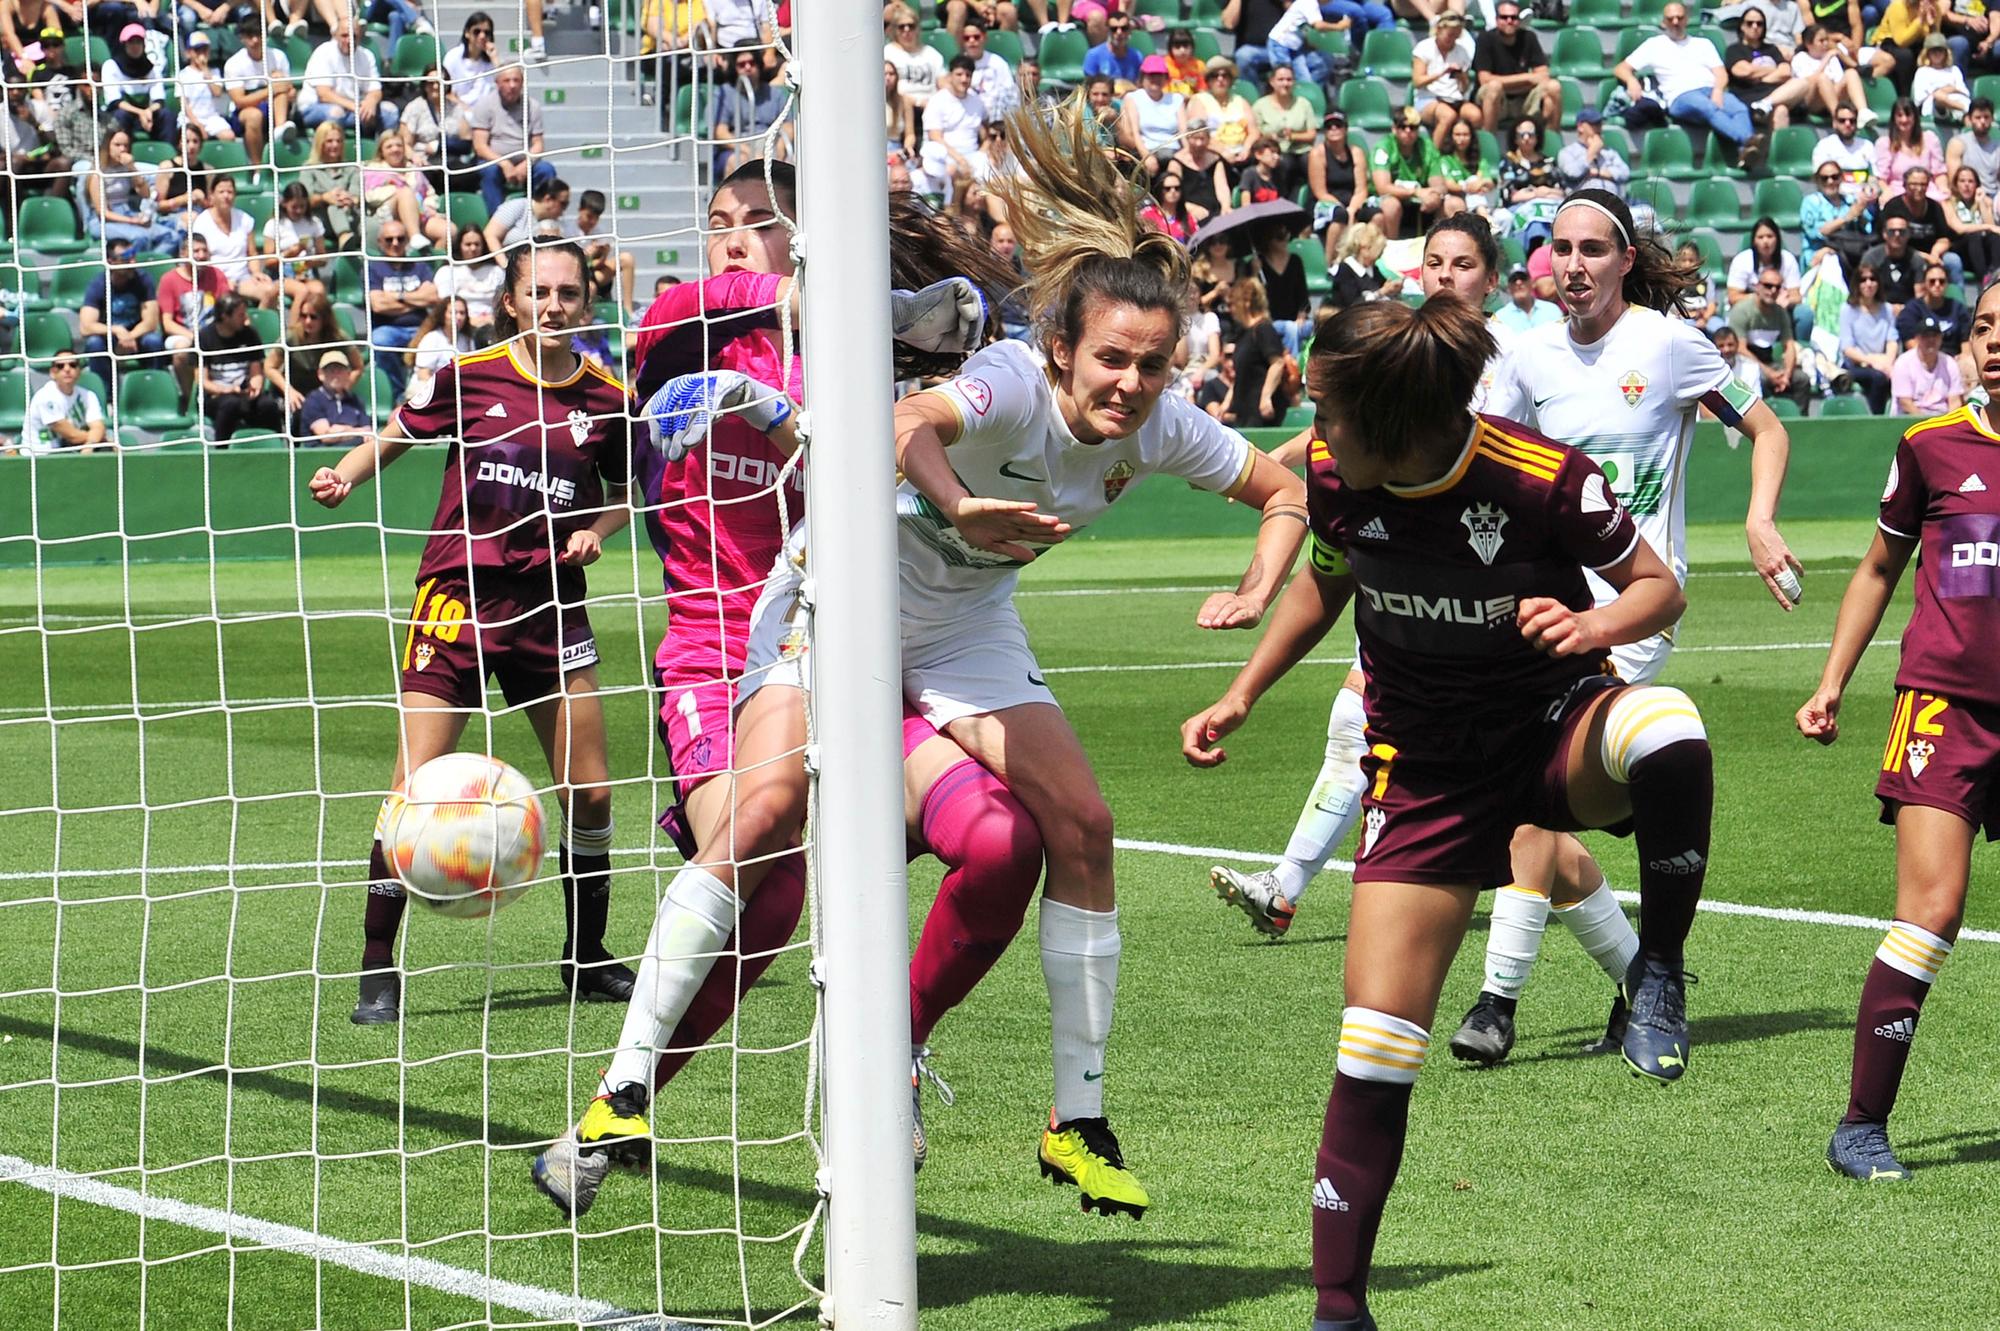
point(682, 413)
point(944, 316)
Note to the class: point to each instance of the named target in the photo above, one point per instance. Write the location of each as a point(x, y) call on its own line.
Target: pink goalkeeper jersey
point(714, 516)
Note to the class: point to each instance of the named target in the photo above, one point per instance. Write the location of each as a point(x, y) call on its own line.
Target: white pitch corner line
point(249, 1234)
point(1786, 914)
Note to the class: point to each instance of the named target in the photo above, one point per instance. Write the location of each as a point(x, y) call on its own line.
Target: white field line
point(1031, 593)
point(1783, 914)
point(153, 708)
point(248, 1234)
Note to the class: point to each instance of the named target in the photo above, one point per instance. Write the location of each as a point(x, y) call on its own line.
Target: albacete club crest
point(579, 427)
point(1116, 478)
point(424, 653)
point(1920, 751)
point(1633, 385)
point(1482, 527)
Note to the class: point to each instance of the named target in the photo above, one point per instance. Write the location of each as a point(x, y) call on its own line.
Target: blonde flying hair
point(1075, 214)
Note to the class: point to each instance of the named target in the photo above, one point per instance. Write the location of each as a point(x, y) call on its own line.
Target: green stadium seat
point(1632, 39)
point(1489, 147)
point(1297, 418)
point(1988, 86)
point(14, 393)
point(465, 209)
point(1792, 150)
point(1784, 408)
point(1573, 100)
point(259, 441)
point(1881, 95)
point(1779, 198)
point(225, 155)
point(48, 226)
point(1667, 152)
point(151, 400)
point(1845, 404)
point(1006, 45)
point(46, 334)
point(1578, 54)
point(1714, 254)
point(291, 156)
point(1616, 139)
point(1205, 13)
point(152, 152)
point(71, 281)
point(270, 325)
point(347, 283)
point(1386, 53)
point(1208, 43)
point(1142, 42)
point(379, 394)
point(1366, 102)
point(1603, 15)
point(260, 204)
point(1167, 10)
point(25, 286)
point(1312, 254)
point(1315, 95)
point(1062, 56)
point(1715, 203)
point(944, 43)
point(416, 54)
point(684, 109)
point(1332, 44)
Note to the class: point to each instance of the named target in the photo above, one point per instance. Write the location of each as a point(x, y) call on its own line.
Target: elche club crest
point(1482, 528)
point(1920, 751)
point(978, 395)
point(1116, 477)
point(1633, 385)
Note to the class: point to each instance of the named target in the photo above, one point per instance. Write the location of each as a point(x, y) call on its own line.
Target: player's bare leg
point(571, 731)
point(1033, 750)
point(1401, 939)
point(430, 728)
point(1933, 863)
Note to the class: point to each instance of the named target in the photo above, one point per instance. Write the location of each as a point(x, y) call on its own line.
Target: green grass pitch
point(1553, 1191)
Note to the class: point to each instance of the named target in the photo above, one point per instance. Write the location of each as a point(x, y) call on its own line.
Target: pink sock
point(766, 925)
point(994, 851)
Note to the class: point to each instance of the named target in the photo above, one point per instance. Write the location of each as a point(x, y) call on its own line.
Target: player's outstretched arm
point(1770, 454)
point(1868, 593)
point(1649, 601)
point(925, 423)
point(330, 486)
point(1281, 496)
point(1309, 607)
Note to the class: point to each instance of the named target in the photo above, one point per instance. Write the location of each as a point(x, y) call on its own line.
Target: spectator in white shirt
point(919, 68)
point(205, 100)
point(62, 413)
point(258, 82)
point(1693, 84)
point(468, 76)
point(1939, 88)
point(992, 77)
point(343, 84)
point(951, 127)
point(228, 231)
point(1441, 79)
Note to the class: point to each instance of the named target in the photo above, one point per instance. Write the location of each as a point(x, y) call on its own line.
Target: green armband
point(1326, 561)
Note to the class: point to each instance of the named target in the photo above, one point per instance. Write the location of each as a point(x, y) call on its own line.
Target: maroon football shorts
point(519, 633)
point(1943, 755)
point(1442, 808)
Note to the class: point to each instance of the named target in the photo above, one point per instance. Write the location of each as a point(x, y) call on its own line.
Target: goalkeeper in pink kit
point(719, 497)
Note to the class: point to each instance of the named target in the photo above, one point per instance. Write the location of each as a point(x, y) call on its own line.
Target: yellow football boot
point(613, 1131)
point(1083, 1152)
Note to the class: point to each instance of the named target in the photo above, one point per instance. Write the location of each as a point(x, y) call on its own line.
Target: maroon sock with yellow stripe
point(1906, 964)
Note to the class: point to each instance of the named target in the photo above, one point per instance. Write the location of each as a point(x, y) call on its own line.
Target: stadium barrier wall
point(171, 505)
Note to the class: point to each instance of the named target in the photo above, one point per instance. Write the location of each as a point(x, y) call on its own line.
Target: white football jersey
point(1628, 400)
point(1012, 444)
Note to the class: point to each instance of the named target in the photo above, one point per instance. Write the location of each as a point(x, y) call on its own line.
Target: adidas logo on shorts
point(1326, 1197)
point(1904, 1029)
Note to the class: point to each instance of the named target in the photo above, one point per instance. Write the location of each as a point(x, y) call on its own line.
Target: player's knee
point(1079, 833)
point(589, 807)
point(766, 817)
point(1375, 1046)
point(1648, 724)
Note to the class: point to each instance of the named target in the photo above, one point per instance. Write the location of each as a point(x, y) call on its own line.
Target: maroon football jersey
point(1440, 569)
point(1937, 495)
point(528, 463)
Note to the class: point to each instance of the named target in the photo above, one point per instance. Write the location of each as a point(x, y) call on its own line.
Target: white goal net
point(199, 688)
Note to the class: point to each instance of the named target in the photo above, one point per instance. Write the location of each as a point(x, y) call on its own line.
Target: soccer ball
point(465, 834)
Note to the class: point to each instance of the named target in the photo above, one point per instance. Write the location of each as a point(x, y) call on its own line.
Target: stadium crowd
point(1831, 168)
point(226, 219)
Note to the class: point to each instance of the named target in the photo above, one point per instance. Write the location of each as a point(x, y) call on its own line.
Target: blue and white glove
point(683, 412)
point(944, 316)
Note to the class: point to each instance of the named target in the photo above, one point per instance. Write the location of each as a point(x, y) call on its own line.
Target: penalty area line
point(248, 1234)
point(1782, 914)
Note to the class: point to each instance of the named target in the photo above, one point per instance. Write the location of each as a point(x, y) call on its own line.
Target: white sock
point(1599, 923)
point(1080, 966)
point(694, 920)
point(1335, 801)
point(1514, 938)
